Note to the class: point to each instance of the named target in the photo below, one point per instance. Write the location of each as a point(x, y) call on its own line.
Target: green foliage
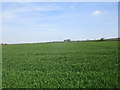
point(101, 39)
point(67, 40)
point(61, 65)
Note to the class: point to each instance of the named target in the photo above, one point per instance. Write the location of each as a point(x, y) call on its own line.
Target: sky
point(50, 21)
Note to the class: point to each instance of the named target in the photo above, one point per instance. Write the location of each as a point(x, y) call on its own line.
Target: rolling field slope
point(61, 65)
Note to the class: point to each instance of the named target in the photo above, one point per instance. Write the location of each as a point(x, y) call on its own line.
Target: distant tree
point(118, 38)
point(67, 40)
point(1, 43)
point(87, 40)
point(101, 39)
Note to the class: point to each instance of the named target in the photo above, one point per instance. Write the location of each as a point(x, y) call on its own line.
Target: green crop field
point(60, 65)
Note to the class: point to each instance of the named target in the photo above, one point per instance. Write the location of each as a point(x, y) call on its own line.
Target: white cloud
point(96, 12)
point(11, 14)
point(8, 16)
point(34, 8)
point(26, 7)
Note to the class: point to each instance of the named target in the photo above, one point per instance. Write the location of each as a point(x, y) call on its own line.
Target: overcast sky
point(49, 21)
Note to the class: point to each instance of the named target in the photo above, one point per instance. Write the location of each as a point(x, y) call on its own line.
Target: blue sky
point(49, 21)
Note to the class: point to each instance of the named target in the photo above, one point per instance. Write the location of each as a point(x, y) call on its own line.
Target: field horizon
point(62, 41)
